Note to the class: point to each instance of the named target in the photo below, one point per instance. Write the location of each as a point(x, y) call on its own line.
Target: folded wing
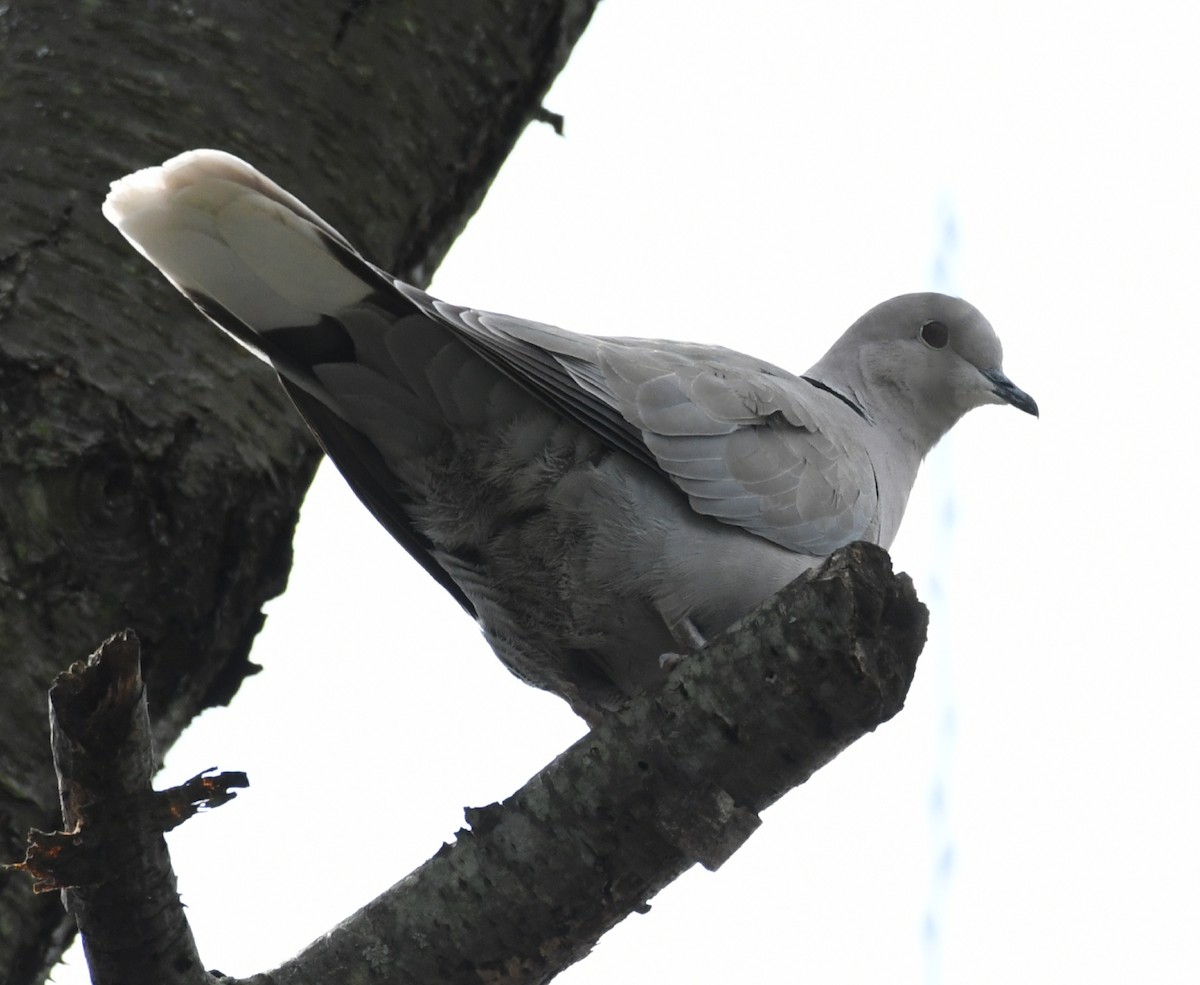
point(748, 443)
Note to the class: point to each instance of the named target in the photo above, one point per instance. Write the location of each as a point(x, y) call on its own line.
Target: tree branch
point(111, 861)
point(677, 778)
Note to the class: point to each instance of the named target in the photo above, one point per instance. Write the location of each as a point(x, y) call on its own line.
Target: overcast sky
point(760, 179)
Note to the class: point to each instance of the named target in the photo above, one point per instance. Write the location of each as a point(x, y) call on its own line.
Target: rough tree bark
point(675, 778)
point(149, 475)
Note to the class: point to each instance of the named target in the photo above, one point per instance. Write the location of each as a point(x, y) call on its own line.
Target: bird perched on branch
point(595, 503)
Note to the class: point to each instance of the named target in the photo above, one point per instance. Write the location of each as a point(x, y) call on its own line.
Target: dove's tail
point(252, 257)
point(350, 343)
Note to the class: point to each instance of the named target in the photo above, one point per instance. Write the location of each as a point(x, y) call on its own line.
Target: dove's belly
point(582, 564)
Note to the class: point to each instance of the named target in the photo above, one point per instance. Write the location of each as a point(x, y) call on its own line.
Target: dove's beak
point(1010, 393)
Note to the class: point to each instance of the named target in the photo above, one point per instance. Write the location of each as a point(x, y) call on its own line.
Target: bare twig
point(111, 860)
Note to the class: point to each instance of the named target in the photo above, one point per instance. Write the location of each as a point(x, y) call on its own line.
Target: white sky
point(759, 180)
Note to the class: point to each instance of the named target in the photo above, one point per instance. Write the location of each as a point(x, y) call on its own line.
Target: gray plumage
point(593, 502)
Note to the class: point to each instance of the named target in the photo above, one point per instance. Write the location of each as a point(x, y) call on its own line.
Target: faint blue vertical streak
point(941, 476)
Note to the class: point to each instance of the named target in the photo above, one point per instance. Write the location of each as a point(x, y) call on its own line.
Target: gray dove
point(595, 503)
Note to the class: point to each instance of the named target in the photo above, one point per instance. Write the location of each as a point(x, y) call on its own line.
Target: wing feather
point(749, 443)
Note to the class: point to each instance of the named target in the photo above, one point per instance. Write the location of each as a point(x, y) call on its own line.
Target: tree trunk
point(150, 474)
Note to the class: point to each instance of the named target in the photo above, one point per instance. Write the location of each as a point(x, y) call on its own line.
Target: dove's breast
point(583, 565)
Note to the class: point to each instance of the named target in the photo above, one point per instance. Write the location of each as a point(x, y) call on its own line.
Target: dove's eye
point(935, 335)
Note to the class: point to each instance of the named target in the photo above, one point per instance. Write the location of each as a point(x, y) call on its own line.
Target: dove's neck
point(898, 433)
point(898, 413)
point(899, 410)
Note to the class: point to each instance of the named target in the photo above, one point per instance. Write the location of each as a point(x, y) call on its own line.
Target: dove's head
point(922, 361)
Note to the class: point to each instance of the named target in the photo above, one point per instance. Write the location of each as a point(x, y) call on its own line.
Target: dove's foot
point(669, 661)
point(687, 635)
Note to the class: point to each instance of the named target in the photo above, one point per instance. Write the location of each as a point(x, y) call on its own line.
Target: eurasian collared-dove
point(594, 502)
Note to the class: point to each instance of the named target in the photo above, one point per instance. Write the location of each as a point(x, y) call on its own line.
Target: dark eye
point(935, 335)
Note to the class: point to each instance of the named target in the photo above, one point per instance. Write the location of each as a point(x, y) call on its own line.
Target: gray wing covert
point(750, 444)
